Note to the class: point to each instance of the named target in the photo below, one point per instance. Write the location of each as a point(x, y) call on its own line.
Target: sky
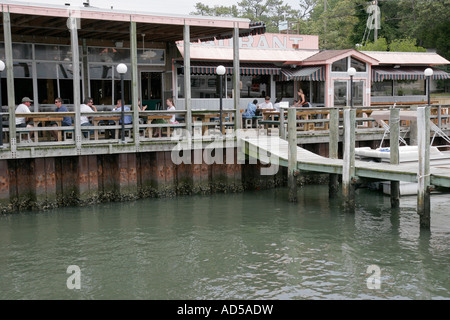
point(157, 6)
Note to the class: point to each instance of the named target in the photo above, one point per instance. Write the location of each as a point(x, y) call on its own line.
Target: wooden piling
point(423, 144)
point(333, 147)
point(394, 134)
point(292, 155)
point(348, 170)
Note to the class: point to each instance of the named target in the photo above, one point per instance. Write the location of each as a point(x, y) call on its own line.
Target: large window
point(389, 88)
point(409, 88)
point(318, 92)
point(383, 88)
point(358, 64)
point(340, 65)
point(207, 86)
point(284, 89)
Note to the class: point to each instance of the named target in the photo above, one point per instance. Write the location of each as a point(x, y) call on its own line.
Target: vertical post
point(9, 78)
point(292, 154)
point(333, 147)
point(282, 130)
point(236, 79)
point(72, 25)
point(187, 77)
point(134, 82)
point(394, 134)
point(348, 170)
point(423, 192)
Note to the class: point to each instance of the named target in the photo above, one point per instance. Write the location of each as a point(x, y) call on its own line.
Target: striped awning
point(246, 69)
point(405, 73)
point(303, 74)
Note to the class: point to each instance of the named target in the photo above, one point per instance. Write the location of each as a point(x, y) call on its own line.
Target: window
point(340, 65)
point(284, 89)
point(318, 92)
point(358, 65)
point(409, 88)
point(383, 88)
point(257, 86)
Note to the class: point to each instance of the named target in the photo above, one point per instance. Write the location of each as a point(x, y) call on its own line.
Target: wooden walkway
point(275, 150)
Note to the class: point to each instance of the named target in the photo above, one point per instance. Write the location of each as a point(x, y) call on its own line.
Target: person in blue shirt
point(251, 109)
point(118, 107)
point(66, 121)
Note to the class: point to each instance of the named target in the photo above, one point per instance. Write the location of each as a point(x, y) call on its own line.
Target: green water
point(252, 245)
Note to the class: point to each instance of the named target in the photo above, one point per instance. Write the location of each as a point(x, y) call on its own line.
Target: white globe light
point(428, 72)
point(351, 71)
point(122, 68)
point(221, 70)
point(2, 66)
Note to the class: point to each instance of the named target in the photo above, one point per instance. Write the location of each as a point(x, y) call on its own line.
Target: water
point(252, 245)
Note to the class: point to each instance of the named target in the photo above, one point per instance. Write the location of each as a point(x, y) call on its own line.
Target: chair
point(24, 136)
point(247, 123)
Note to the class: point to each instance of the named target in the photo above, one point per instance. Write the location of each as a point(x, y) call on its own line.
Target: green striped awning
point(303, 74)
point(405, 73)
point(246, 69)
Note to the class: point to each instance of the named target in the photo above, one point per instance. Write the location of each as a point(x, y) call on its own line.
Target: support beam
point(348, 170)
point(423, 191)
point(292, 154)
point(394, 135)
point(333, 148)
point(236, 79)
point(134, 82)
point(187, 77)
point(9, 78)
point(73, 27)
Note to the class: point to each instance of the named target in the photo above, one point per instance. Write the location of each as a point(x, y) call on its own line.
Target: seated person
point(266, 104)
point(24, 107)
point(251, 109)
point(127, 118)
point(66, 121)
point(87, 106)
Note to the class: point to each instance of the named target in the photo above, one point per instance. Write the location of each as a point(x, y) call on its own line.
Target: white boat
point(407, 154)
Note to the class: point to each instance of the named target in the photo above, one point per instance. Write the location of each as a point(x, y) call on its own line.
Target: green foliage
point(379, 45)
point(406, 25)
point(405, 45)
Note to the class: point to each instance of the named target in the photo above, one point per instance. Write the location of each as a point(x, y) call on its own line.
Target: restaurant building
point(160, 49)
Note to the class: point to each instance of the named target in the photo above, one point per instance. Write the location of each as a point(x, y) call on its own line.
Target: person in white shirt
point(87, 106)
point(266, 104)
point(24, 107)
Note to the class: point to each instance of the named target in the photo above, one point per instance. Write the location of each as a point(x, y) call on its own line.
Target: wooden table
point(149, 130)
point(44, 120)
point(206, 117)
point(96, 120)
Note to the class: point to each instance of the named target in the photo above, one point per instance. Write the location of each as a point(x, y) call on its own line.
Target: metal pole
point(428, 89)
point(220, 93)
point(123, 107)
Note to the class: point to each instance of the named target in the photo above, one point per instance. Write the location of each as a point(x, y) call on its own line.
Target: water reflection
point(252, 245)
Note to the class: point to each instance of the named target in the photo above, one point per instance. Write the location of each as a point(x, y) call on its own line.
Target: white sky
point(158, 6)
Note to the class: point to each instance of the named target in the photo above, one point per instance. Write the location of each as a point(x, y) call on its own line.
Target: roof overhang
point(43, 20)
point(340, 55)
point(407, 58)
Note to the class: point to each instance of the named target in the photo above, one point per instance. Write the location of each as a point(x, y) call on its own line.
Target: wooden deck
point(275, 150)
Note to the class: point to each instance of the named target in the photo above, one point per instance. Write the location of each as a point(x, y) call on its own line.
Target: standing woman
point(171, 107)
point(301, 98)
